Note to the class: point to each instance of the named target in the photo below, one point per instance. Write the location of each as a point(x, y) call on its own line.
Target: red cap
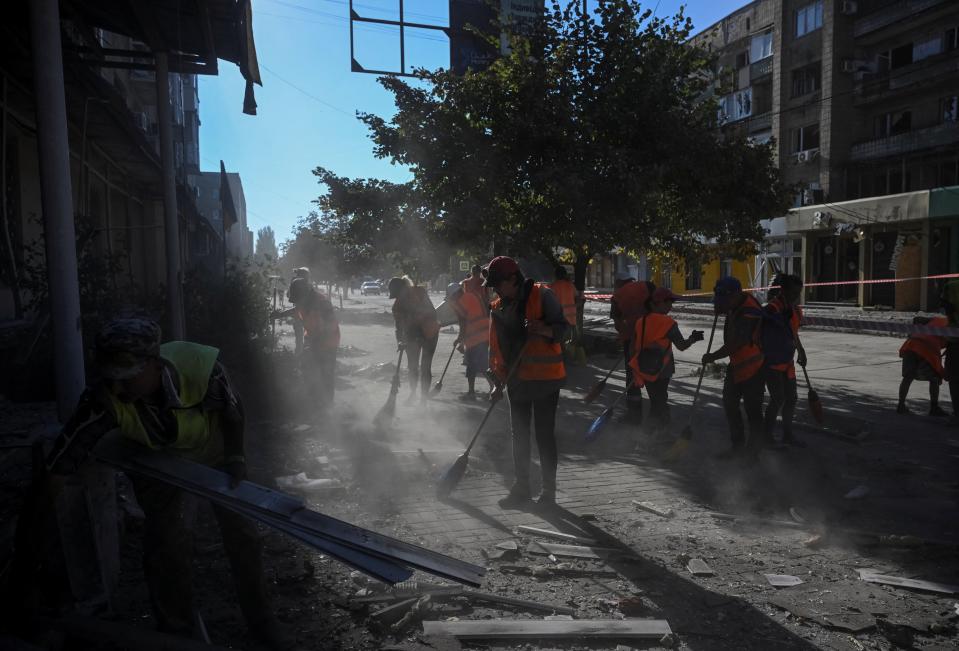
point(500, 268)
point(662, 294)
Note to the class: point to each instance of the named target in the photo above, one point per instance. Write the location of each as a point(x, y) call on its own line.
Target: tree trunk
point(579, 280)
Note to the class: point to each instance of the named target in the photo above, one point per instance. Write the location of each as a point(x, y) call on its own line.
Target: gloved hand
point(496, 394)
point(235, 467)
point(801, 358)
point(460, 347)
point(400, 345)
point(696, 335)
point(708, 358)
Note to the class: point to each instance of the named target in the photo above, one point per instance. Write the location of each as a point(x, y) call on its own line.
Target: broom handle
point(395, 385)
point(702, 370)
point(615, 366)
point(448, 360)
point(509, 376)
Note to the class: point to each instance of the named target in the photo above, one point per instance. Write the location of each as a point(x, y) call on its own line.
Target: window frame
point(801, 17)
point(800, 137)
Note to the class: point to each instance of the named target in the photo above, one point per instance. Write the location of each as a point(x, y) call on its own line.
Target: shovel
point(439, 385)
point(679, 448)
point(452, 477)
point(599, 386)
point(387, 411)
point(815, 406)
point(600, 423)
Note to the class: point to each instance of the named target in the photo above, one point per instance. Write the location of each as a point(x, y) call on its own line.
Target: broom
point(452, 477)
point(439, 385)
point(597, 427)
point(679, 448)
point(387, 411)
point(597, 389)
point(815, 406)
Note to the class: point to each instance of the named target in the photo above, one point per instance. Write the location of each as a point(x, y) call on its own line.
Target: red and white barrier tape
point(607, 297)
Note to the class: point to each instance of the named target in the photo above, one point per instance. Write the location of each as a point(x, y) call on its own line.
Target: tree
point(596, 131)
point(266, 250)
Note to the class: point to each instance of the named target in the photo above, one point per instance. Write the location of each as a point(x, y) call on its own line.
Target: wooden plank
point(573, 551)
point(558, 535)
point(532, 629)
point(916, 584)
point(521, 603)
point(652, 508)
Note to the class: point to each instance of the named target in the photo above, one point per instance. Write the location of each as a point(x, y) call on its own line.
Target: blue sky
point(306, 107)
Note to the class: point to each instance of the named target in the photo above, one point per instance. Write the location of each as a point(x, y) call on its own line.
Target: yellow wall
point(710, 274)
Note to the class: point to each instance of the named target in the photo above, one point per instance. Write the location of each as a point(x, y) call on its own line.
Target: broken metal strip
point(214, 485)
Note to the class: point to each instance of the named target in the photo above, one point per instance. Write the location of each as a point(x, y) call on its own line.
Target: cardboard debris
point(652, 508)
point(916, 584)
point(558, 535)
point(698, 567)
point(531, 629)
point(783, 580)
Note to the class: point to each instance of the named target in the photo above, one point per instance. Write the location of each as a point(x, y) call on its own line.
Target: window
point(809, 18)
point(806, 80)
point(949, 109)
point(761, 46)
point(725, 268)
point(667, 276)
point(694, 275)
point(736, 106)
point(927, 48)
point(892, 124)
point(900, 56)
point(742, 59)
point(805, 138)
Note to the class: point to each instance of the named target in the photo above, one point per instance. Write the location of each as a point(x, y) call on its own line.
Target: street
point(906, 465)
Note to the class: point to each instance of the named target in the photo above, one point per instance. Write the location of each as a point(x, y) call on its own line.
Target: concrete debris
point(415, 613)
point(668, 640)
point(574, 551)
point(501, 554)
point(783, 580)
point(300, 482)
point(916, 584)
point(850, 622)
point(652, 508)
point(857, 493)
point(698, 567)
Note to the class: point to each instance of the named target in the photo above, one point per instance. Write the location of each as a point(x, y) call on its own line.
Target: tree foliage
point(596, 131)
point(266, 250)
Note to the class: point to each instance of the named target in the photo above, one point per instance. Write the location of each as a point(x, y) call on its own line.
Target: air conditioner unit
point(849, 7)
point(802, 156)
point(848, 65)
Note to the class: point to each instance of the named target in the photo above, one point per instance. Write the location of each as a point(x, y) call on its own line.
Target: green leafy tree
point(596, 131)
point(266, 251)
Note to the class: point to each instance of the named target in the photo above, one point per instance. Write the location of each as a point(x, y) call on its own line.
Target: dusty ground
point(906, 464)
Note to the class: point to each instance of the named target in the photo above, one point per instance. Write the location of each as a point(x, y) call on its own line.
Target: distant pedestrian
point(780, 344)
point(526, 328)
point(744, 382)
point(652, 362)
point(473, 339)
point(299, 272)
point(417, 329)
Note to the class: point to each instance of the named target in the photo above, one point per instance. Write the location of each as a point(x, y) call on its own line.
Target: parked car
point(370, 287)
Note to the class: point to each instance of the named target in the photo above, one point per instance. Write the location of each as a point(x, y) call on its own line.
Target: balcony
point(761, 122)
point(940, 135)
point(892, 14)
point(872, 86)
point(760, 69)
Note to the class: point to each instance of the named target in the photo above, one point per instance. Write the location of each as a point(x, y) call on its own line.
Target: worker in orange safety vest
point(526, 328)
point(417, 328)
point(744, 381)
point(652, 362)
point(473, 340)
point(629, 302)
point(780, 342)
point(922, 360)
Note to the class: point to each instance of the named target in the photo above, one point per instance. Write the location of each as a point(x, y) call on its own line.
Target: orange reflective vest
point(322, 333)
point(472, 313)
point(747, 360)
point(629, 303)
point(565, 291)
point(651, 331)
point(795, 320)
point(928, 347)
point(542, 358)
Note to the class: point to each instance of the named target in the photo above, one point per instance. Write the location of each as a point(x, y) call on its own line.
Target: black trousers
point(168, 557)
point(542, 412)
point(783, 396)
point(419, 357)
point(750, 394)
point(318, 368)
point(952, 374)
point(658, 393)
point(634, 394)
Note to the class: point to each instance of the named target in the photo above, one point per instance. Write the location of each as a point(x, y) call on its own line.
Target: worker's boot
point(936, 411)
point(901, 408)
point(547, 497)
point(518, 497)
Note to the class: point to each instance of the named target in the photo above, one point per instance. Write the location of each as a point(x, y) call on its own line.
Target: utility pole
point(57, 201)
